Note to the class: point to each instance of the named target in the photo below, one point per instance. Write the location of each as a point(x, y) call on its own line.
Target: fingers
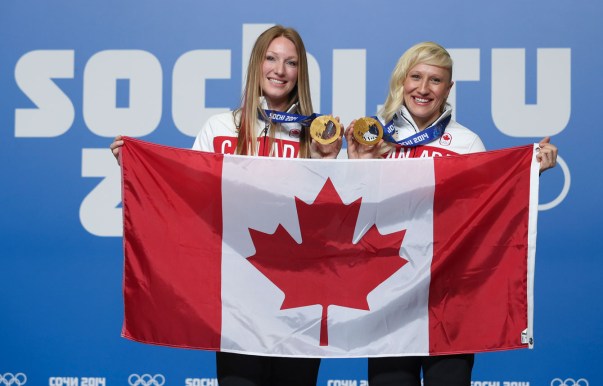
point(115, 146)
point(358, 150)
point(352, 144)
point(323, 151)
point(350, 129)
point(342, 131)
point(547, 155)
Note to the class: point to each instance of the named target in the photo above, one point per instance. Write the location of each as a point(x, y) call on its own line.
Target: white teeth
point(277, 81)
point(421, 100)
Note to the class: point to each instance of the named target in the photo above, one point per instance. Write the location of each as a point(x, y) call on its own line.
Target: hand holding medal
point(364, 137)
point(368, 131)
point(325, 129)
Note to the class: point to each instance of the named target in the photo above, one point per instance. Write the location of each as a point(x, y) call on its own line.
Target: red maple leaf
point(327, 268)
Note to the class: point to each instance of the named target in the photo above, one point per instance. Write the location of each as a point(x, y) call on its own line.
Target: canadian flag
point(329, 258)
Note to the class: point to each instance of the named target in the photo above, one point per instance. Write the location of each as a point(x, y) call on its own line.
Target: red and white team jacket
point(456, 139)
point(219, 135)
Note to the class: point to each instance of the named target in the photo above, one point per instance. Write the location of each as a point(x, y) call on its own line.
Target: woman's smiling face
point(279, 72)
point(426, 88)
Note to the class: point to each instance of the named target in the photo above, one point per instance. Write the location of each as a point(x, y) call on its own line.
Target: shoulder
point(222, 124)
point(461, 138)
point(218, 125)
point(456, 127)
point(226, 120)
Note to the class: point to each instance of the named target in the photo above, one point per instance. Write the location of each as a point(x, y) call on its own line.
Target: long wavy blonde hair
point(250, 109)
point(422, 53)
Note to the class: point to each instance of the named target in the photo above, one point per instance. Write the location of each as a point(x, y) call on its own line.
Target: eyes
point(273, 59)
point(432, 79)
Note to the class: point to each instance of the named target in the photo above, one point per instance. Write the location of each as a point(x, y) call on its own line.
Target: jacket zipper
point(265, 132)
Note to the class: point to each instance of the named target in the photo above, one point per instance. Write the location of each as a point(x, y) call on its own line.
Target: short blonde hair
point(422, 53)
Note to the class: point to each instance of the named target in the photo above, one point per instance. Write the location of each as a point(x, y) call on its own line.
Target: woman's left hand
point(547, 156)
point(331, 150)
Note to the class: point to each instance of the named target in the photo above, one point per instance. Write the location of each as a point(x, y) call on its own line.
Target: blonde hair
point(250, 110)
point(422, 53)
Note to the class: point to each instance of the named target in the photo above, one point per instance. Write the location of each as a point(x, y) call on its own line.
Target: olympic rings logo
point(146, 380)
point(569, 382)
point(10, 379)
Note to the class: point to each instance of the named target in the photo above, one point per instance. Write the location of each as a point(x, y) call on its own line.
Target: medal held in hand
point(325, 129)
point(368, 131)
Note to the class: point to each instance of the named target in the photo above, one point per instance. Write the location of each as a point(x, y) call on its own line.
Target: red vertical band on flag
point(172, 244)
point(478, 295)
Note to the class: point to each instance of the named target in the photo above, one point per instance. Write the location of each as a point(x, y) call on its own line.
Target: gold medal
point(368, 131)
point(325, 129)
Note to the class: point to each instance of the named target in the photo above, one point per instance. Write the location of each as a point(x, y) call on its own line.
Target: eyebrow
point(416, 72)
point(277, 54)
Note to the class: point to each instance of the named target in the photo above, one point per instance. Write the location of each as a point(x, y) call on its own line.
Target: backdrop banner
point(73, 75)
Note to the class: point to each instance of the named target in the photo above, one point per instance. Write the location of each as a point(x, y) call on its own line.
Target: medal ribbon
point(427, 135)
point(324, 134)
point(281, 117)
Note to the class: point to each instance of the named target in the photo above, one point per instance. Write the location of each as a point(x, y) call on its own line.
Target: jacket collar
point(403, 118)
point(264, 106)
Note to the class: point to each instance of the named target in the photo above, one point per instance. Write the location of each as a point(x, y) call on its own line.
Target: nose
point(279, 68)
point(423, 87)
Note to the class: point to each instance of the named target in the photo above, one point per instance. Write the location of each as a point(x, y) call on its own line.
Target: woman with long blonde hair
point(278, 82)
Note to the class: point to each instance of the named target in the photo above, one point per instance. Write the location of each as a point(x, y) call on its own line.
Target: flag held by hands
point(324, 258)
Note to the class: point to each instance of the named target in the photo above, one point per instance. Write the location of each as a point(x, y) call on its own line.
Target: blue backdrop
point(73, 74)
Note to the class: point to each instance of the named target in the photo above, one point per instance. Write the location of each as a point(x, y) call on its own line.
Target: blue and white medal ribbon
point(323, 128)
point(422, 137)
point(282, 117)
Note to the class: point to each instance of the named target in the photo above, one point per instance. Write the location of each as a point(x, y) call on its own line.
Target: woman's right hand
point(331, 150)
point(115, 146)
point(357, 150)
